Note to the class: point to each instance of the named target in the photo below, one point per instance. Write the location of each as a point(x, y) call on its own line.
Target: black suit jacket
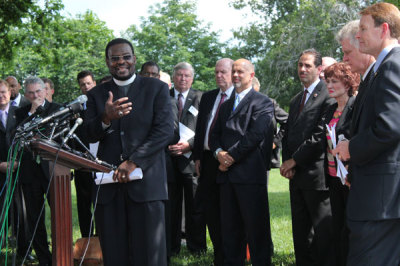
point(246, 134)
point(298, 142)
point(375, 146)
point(6, 135)
point(280, 117)
point(23, 102)
point(28, 160)
point(141, 136)
point(189, 119)
point(205, 108)
point(342, 126)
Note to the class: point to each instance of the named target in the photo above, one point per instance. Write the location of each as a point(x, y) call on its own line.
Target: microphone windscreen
point(76, 107)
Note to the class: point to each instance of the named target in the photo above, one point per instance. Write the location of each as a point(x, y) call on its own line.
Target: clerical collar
point(125, 82)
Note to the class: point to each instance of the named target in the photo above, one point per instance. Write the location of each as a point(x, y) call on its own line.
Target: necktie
point(13, 103)
point(303, 100)
point(3, 116)
point(237, 100)
point(221, 101)
point(180, 105)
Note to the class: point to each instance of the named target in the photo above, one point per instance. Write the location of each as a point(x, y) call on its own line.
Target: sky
point(120, 14)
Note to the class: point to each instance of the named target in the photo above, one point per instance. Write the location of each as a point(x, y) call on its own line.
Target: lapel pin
point(315, 95)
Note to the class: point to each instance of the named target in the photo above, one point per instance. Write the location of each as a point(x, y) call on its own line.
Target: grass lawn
point(280, 222)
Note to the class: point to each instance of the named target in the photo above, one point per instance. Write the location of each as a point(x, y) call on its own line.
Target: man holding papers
point(373, 209)
point(185, 183)
point(131, 118)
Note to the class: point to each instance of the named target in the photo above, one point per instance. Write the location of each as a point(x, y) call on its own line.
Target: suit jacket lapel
point(346, 110)
point(360, 99)
point(11, 118)
point(134, 88)
point(242, 103)
point(188, 103)
point(210, 104)
point(310, 102)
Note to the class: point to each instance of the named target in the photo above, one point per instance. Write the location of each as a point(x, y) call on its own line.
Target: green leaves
point(59, 50)
point(173, 34)
point(285, 29)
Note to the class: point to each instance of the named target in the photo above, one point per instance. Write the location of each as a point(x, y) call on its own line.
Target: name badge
point(193, 110)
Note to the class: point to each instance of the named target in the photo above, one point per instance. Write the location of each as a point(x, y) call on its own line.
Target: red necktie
point(303, 100)
point(221, 101)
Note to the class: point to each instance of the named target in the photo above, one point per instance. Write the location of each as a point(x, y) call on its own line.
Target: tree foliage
point(173, 34)
point(59, 51)
point(284, 30)
point(17, 14)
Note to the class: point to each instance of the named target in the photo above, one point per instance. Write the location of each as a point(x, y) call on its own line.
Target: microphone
point(81, 99)
point(78, 122)
point(73, 107)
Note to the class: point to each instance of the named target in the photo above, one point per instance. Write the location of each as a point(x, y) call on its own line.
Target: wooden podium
point(60, 196)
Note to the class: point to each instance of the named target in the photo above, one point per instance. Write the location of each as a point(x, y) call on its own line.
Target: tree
point(173, 34)
point(59, 51)
point(15, 14)
point(286, 28)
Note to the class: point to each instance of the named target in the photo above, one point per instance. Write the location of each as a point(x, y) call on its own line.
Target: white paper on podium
point(341, 170)
point(107, 178)
point(185, 134)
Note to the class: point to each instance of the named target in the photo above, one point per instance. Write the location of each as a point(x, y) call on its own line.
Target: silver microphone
point(78, 122)
point(72, 107)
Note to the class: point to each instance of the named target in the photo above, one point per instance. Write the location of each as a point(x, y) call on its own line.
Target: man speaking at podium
point(131, 118)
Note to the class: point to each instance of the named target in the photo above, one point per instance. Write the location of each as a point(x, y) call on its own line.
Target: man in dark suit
point(373, 212)
point(84, 183)
point(152, 70)
point(185, 183)
point(34, 172)
point(303, 164)
point(205, 163)
point(131, 117)
point(16, 98)
point(19, 211)
point(7, 124)
point(242, 142)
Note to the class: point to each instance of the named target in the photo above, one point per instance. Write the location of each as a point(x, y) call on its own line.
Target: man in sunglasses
point(131, 117)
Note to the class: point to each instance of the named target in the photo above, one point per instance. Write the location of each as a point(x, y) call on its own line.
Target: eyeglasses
point(117, 58)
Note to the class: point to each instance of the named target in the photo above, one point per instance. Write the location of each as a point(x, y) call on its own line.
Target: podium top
point(49, 152)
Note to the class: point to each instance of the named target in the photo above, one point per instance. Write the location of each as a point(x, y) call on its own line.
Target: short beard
point(237, 85)
point(122, 78)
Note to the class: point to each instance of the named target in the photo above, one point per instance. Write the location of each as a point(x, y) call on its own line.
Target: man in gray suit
point(373, 212)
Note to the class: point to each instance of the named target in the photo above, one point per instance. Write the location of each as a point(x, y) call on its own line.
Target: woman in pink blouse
point(341, 84)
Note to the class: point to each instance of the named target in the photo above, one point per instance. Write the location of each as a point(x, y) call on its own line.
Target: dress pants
point(131, 233)
point(374, 243)
point(84, 186)
point(338, 194)
point(34, 198)
point(185, 187)
point(208, 196)
point(312, 226)
point(244, 214)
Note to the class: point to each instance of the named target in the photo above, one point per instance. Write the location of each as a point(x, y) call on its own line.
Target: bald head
point(242, 74)
point(326, 61)
point(14, 86)
point(223, 73)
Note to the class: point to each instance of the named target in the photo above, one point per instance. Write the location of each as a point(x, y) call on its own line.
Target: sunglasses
point(117, 58)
